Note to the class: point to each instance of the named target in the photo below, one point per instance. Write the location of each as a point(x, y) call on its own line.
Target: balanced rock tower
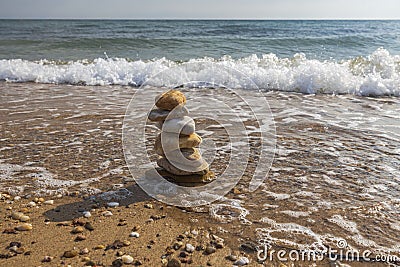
point(177, 145)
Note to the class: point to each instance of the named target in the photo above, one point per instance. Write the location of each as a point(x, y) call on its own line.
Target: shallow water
point(335, 174)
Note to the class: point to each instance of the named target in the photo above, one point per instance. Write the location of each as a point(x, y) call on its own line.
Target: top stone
point(170, 99)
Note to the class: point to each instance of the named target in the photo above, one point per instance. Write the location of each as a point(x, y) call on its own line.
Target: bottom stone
point(186, 180)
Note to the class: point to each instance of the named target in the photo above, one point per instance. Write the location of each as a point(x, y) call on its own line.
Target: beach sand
point(55, 134)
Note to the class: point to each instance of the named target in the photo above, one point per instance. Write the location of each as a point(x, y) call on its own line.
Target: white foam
point(344, 224)
point(277, 196)
point(296, 214)
point(226, 213)
point(44, 181)
point(376, 74)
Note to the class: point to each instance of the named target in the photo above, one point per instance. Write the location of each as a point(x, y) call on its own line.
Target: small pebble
point(84, 251)
point(134, 234)
point(138, 263)
point(78, 230)
point(89, 226)
point(148, 206)
point(70, 253)
point(210, 250)
point(15, 244)
point(65, 223)
point(174, 263)
point(47, 259)
point(80, 238)
point(40, 199)
point(16, 198)
point(136, 228)
point(23, 210)
point(231, 257)
point(18, 250)
point(49, 202)
point(242, 261)
point(194, 232)
point(24, 227)
point(88, 263)
point(31, 204)
point(16, 215)
point(107, 213)
point(189, 248)
point(85, 259)
point(177, 245)
point(100, 247)
point(112, 204)
point(117, 263)
point(183, 254)
point(127, 259)
point(219, 245)
point(87, 214)
point(24, 218)
point(126, 243)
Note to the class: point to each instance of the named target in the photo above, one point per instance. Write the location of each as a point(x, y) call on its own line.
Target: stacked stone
point(179, 156)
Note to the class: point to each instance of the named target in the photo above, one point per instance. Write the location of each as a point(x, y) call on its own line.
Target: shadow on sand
point(133, 194)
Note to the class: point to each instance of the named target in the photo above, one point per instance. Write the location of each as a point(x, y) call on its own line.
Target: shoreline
point(68, 139)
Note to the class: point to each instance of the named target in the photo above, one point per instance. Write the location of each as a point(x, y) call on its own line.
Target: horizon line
point(265, 19)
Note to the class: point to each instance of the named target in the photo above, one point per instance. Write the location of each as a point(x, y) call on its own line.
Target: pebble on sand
point(107, 213)
point(20, 216)
point(89, 226)
point(231, 257)
point(134, 234)
point(70, 253)
point(80, 237)
point(210, 250)
point(174, 263)
point(112, 204)
point(47, 259)
point(49, 202)
point(189, 248)
point(127, 259)
point(148, 206)
point(31, 204)
point(78, 230)
point(24, 227)
point(87, 214)
point(84, 251)
point(16, 215)
point(242, 261)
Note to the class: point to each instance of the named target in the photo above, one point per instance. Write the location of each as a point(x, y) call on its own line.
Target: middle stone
point(184, 125)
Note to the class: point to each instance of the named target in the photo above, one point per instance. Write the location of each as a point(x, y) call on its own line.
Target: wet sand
point(64, 143)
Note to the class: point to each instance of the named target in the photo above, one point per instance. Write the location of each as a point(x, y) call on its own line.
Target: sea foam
point(372, 75)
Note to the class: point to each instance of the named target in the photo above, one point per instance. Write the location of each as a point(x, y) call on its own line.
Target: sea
point(307, 56)
point(324, 93)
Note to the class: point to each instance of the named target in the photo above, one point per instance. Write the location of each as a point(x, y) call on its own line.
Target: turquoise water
point(330, 57)
point(187, 39)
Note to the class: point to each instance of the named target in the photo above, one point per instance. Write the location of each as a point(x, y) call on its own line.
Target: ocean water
point(334, 57)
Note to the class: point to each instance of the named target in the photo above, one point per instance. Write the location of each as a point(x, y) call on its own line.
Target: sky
point(200, 9)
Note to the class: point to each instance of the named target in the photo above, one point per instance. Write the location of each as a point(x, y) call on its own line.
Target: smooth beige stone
point(173, 141)
point(183, 125)
point(170, 99)
point(165, 164)
point(193, 178)
point(162, 114)
point(187, 159)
